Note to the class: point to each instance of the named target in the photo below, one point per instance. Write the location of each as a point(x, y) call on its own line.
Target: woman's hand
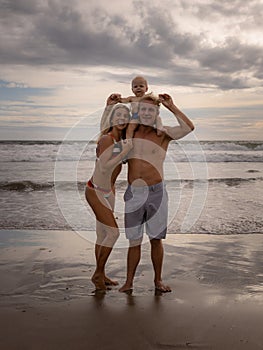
point(113, 99)
point(127, 145)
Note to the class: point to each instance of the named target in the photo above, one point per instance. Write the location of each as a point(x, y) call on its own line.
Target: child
point(139, 88)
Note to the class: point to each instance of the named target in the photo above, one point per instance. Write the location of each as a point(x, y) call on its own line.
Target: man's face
point(148, 112)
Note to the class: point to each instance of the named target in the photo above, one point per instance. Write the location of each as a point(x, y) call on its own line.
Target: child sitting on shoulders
point(139, 88)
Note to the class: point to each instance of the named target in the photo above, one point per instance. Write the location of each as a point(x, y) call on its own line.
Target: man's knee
point(155, 242)
point(135, 243)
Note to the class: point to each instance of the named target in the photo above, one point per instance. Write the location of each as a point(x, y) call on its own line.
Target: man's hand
point(113, 99)
point(166, 100)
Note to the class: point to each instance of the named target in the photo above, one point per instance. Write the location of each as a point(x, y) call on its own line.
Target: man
point(146, 197)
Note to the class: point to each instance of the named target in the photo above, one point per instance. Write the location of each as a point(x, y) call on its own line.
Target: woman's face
point(120, 118)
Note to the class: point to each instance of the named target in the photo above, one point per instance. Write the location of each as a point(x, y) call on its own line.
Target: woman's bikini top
point(117, 148)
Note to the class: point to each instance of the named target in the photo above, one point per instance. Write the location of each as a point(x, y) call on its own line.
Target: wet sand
point(47, 299)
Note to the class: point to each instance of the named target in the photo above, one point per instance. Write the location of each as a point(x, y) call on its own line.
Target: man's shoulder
point(152, 135)
point(142, 132)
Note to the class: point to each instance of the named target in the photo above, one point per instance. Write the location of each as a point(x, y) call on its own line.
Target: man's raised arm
point(185, 125)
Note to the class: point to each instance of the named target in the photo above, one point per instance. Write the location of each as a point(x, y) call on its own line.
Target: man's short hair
point(151, 98)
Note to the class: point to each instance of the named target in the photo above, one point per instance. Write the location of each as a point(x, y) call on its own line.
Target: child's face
point(139, 87)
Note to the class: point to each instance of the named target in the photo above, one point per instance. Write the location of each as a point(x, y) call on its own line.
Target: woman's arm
point(105, 147)
point(111, 101)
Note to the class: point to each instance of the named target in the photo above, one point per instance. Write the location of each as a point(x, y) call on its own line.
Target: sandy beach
point(48, 301)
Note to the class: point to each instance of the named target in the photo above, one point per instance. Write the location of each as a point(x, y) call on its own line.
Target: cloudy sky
point(59, 61)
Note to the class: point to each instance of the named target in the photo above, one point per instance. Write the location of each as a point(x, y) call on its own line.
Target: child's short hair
point(141, 78)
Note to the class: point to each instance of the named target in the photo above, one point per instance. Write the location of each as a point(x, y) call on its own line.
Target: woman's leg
point(100, 238)
point(107, 234)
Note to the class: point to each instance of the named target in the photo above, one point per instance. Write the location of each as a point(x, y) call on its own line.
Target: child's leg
point(131, 128)
point(132, 125)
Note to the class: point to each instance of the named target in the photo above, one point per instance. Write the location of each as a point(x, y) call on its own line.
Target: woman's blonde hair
point(107, 127)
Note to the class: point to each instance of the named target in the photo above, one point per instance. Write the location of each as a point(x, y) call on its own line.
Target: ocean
point(214, 187)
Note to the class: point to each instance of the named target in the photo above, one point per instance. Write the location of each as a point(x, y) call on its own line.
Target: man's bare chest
point(148, 148)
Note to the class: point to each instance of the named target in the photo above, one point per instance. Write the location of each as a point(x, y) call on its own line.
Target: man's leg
point(133, 258)
point(157, 260)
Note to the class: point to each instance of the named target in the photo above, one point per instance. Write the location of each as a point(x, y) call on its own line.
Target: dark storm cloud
point(54, 33)
point(25, 7)
point(62, 35)
point(232, 57)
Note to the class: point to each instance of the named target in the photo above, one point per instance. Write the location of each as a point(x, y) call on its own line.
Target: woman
point(100, 189)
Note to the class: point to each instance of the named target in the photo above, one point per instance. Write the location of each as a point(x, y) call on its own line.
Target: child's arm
point(126, 99)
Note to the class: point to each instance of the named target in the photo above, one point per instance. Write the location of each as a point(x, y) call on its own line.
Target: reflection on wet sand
point(48, 301)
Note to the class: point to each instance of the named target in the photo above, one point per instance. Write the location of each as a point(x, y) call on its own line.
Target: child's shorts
point(135, 116)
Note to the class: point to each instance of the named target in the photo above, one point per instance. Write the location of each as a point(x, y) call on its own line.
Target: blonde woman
point(100, 189)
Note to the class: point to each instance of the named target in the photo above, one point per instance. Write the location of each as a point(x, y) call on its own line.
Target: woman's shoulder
point(104, 142)
point(106, 138)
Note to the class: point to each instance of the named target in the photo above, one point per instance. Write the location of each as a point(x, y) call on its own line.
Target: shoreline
point(47, 299)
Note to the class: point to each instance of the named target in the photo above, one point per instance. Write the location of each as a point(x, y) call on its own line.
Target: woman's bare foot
point(98, 281)
point(162, 288)
point(109, 282)
point(126, 288)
